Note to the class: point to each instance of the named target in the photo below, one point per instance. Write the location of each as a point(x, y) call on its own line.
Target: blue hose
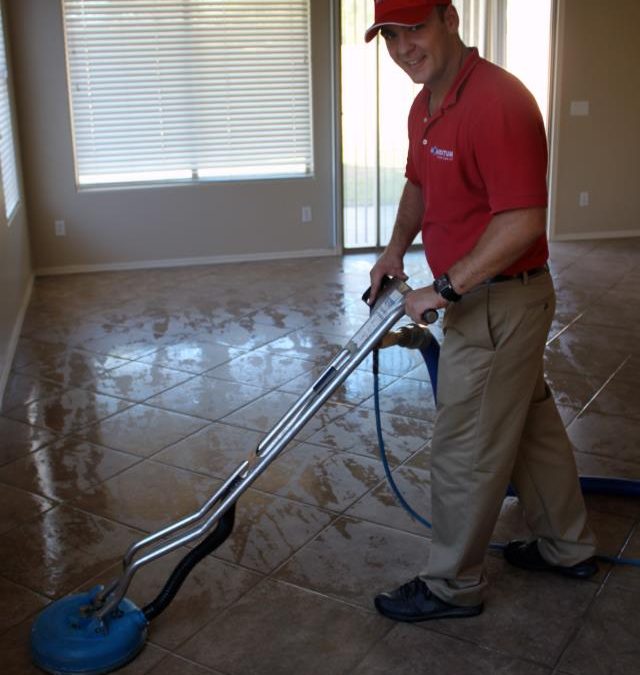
point(620, 487)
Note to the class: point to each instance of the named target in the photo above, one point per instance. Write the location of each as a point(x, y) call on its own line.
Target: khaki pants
point(497, 423)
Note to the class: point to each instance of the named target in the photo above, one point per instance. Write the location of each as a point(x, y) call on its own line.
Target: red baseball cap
point(401, 13)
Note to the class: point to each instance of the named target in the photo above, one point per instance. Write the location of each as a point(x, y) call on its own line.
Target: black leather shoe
point(527, 556)
point(414, 601)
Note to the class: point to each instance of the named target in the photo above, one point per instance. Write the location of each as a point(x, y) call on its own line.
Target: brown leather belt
point(523, 276)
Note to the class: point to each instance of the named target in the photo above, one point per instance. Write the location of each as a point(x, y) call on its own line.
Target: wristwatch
point(443, 287)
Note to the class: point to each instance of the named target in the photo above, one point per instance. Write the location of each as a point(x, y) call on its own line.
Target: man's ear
point(451, 19)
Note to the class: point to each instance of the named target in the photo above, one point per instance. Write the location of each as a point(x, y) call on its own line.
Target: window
point(188, 89)
point(7, 149)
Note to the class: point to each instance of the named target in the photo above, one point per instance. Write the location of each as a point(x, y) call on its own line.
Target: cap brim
point(372, 31)
point(409, 16)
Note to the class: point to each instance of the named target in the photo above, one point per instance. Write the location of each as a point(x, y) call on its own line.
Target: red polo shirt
point(483, 152)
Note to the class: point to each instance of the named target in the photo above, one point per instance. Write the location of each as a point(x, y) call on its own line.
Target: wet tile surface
point(207, 397)
point(57, 551)
point(353, 560)
point(66, 468)
point(19, 438)
point(609, 638)
point(407, 650)
point(134, 394)
point(18, 506)
point(142, 430)
point(68, 411)
point(271, 610)
point(18, 603)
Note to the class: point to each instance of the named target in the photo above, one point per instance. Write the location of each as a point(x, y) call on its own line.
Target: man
point(476, 189)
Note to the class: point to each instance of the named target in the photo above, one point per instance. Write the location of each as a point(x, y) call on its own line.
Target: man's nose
point(404, 42)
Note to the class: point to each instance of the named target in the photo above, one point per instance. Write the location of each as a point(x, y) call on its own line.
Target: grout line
point(599, 391)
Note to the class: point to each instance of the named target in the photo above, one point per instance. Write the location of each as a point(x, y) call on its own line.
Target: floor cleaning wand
point(101, 630)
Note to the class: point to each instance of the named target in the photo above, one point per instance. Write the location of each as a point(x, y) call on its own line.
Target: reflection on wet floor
point(134, 394)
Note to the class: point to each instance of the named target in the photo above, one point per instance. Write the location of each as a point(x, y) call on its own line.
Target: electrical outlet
point(306, 214)
point(60, 229)
point(583, 199)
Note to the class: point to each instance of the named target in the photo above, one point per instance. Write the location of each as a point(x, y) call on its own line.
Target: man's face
point(425, 52)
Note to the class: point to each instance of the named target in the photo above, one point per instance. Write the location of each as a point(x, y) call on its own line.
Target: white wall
point(597, 61)
point(15, 273)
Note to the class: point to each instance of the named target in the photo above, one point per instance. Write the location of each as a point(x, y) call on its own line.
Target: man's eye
point(387, 33)
point(418, 27)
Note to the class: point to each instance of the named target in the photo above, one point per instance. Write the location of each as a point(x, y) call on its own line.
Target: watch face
point(442, 285)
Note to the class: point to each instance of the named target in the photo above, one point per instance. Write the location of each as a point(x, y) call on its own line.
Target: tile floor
point(133, 394)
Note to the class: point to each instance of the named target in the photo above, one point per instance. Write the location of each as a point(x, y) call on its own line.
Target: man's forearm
point(408, 220)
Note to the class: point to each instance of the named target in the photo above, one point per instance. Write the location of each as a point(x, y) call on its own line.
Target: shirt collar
point(471, 61)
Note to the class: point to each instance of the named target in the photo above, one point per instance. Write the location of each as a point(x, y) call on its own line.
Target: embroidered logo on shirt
point(441, 153)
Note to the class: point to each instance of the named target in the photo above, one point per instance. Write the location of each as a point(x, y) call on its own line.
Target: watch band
point(444, 287)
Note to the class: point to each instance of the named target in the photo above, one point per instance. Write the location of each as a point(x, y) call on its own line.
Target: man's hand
point(388, 264)
point(422, 299)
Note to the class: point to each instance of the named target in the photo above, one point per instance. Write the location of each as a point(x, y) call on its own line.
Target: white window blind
point(188, 89)
point(7, 149)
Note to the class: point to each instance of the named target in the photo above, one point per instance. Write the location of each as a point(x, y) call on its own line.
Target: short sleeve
point(510, 149)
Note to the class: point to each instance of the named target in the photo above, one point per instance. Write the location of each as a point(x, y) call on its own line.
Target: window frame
point(204, 173)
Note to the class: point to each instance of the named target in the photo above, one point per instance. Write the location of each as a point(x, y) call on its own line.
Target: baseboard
point(582, 236)
point(15, 336)
point(186, 262)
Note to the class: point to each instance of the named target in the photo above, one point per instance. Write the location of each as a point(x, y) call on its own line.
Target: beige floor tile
point(207, 398)
point(23, 389)
point(407, 650)
point(578, 350)
point(357, 388)
point(618, 398)
point(215, 450)
point(573, 391)
point(142, 430)
point(244, 333)
point(18, 439)
point(210, 587)
point(269, 529)
point(138, 381)
point(65, 468)
point(529, 616)
point(74, 368)
point(193, 356)
point(68, 411)
point(356, 432)
point(309, 345)
point(321, 477)
point(61, 548)
point(353, 560)
point(628, 575)
point(609, 636)
point(265, 412)
point(381, 505)
point(300, 632)
point(407, 397)
point(14, 644)
point(176, 665)
point(19, 506)
point(261, 369)
point(606, 436)
point(18, 604)
point(128, 343)
point(149, 495)
point(30, 351)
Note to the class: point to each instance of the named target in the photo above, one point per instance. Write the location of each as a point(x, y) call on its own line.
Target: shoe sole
point(453, 613)
point(556, 569)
